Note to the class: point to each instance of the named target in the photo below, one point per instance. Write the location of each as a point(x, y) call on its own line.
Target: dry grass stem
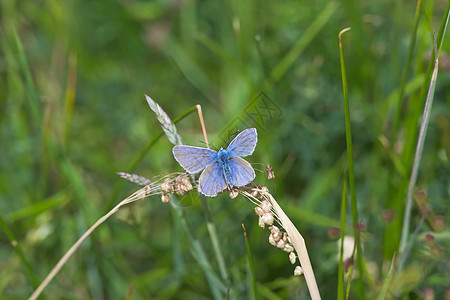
point(202, 123)
point(146, 191)
point(294, 237)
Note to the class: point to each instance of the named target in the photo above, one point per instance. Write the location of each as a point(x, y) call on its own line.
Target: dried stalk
point(142, 193)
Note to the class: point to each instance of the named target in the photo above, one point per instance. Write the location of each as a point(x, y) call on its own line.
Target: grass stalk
point(289, 59)
point(250, 264)
point(214, 240)
point(348, 134)
point(33, 99)
point(341, 287)
point(18, 250)
point(218, 289)
point(140, 194)
point(69, 103)
point(411, 47)
point(417, 158)
point(416, 104)
point(387, 280)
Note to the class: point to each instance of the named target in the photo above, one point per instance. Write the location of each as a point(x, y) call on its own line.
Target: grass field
point(73, 113)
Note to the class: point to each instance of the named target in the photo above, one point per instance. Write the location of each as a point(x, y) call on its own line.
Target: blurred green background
point(73, 112)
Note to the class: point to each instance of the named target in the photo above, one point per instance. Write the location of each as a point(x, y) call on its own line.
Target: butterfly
point(222, 169)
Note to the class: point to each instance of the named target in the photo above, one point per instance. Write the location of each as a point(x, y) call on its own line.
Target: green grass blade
point(417, 158)
point(218, 289)
point(341, 287)
point(348, 133)
point(18, 250)
point(250, 265)
point(39, 207)
point(301, 44)
point(412, 43)
point(33, 100)
point(214, 240)
point(387, 280)
point(417, 103)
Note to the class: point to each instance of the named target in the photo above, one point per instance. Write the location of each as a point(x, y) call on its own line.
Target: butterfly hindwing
point(212, 180)
point(241, 172)
point(244, 143)
point(194, 159)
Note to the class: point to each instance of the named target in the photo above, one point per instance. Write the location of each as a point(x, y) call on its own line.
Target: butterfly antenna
point(236, 132)
point(200, 116)
point(212, 146)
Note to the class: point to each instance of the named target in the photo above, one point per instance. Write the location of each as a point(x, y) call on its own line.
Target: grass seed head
point(183, 184)
point(168, 186)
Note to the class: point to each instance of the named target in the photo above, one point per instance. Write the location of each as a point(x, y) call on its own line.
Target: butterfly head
point(223, 155)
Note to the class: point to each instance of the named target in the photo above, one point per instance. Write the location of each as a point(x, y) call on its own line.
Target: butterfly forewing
point(244, 143)
point(241, 173)
point(212, 180)
point(194, 159)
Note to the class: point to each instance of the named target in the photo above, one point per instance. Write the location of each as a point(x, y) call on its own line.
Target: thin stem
point(341, 288)
point(215, 284)
point(18, 250)
point(412, 43)
point(351, 173)
point(141, 194)
point(214, 240)
point(418, 156)
point(250, 264)
point(202, 122)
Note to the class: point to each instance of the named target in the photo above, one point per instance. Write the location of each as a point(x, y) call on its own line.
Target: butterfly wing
point(212, 180)
point(241, 172)
point(194, 159)
point(244, 143)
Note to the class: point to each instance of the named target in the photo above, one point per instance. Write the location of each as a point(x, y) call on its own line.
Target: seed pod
point(261, 222)
point(292, 257)
point(277, 236)
point(270, 173)
point(280, 244)
point(288, 248)
point(266, 206)
point(298, 271)
point(259, 211)
point(264, 189)
point(272, 241)
point(165, 198)
point(267, 218)
point(233, 193)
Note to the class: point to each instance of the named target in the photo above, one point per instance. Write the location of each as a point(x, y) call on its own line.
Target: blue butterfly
point(223, 169)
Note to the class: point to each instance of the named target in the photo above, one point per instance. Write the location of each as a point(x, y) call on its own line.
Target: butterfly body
point(222, 169)
point(223, 160)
